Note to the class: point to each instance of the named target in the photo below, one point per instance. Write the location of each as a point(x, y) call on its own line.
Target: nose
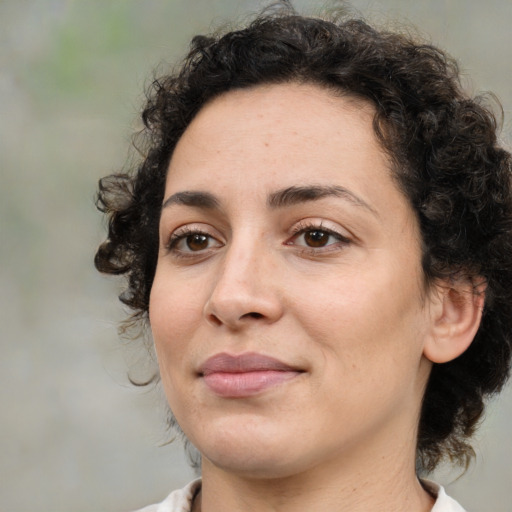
point(246, 289)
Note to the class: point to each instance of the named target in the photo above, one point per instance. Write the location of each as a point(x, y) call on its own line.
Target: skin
point(353, 314)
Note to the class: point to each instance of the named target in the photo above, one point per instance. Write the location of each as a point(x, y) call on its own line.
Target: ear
point(456, 308)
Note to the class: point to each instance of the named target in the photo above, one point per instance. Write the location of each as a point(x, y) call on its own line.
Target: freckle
point(266, 144)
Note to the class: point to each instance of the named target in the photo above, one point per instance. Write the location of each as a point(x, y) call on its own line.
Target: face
point(287, 309)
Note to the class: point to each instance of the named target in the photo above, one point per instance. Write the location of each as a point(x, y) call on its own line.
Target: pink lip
point(244, 375)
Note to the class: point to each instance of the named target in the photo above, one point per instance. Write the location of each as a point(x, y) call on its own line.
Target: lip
point(244, 375)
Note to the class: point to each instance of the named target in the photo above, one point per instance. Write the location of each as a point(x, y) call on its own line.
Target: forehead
point(289, 131)
point(285, 113)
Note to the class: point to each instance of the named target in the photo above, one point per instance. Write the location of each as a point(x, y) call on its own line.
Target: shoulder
point(178, 501)
point(443, 502)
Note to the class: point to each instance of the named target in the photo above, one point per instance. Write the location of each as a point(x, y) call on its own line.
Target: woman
point(319, 237)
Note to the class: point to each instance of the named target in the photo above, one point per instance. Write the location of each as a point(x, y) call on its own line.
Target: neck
point(386, 484)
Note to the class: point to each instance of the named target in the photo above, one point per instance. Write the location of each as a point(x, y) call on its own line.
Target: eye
point(317, 237)
point(187, 241)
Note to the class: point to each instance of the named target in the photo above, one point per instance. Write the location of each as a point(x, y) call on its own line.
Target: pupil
point(316, 238)
point(197, 242)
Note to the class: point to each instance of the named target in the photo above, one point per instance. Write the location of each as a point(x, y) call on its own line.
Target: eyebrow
point(295, 195)
point(280, 199)
point(192, 198)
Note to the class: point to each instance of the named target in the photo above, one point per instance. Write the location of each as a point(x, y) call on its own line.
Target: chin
point(253, 453)
point(253, 464)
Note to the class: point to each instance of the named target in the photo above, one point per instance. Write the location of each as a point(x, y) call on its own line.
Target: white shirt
point(181, 500)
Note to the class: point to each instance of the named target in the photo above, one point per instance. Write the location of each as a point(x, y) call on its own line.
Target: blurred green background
point(74, 436)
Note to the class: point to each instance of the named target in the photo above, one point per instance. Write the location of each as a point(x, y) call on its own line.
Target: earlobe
point(457, 307)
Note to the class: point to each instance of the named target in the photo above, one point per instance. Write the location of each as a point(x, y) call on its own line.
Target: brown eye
point(316, 238)
point(190, 242)
point(197, 242)
point(194, 242)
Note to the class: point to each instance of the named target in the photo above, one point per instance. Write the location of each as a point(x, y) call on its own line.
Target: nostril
point(254, 315)
point(214, 320)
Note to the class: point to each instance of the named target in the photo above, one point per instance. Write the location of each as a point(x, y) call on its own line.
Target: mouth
point(244, 375)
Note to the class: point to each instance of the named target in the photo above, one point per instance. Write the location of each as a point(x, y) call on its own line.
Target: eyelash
point(306, 227)
point(302, 228)
point(182, 234)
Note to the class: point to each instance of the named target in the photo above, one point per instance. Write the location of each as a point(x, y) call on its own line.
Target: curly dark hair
point(446, 159)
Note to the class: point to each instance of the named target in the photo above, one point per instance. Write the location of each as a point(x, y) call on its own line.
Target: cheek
point(173, 313)
point(370, 335)
point(365, 316)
